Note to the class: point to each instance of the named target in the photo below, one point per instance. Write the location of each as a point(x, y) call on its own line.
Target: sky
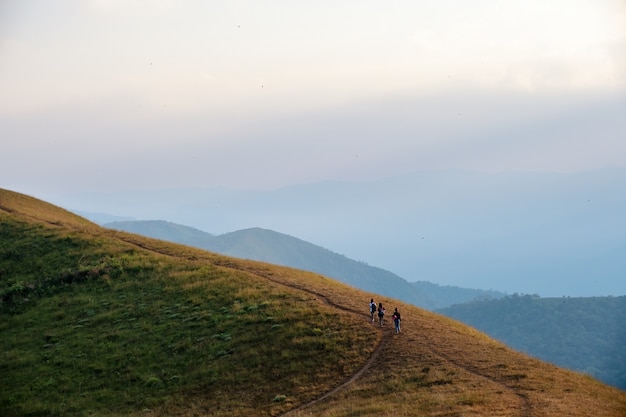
point(122, 94)
point(99, 97)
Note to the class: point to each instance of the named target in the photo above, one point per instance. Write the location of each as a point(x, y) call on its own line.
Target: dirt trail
point(525, 406)
point(524, 402)
point(353, 378)
point(375, 354)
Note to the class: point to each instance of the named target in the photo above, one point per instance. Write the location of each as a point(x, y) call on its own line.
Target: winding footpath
point(524, 406)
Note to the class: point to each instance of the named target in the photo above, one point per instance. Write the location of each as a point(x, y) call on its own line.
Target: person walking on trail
point(396, 319)
point(372, 308)
point(381, 314)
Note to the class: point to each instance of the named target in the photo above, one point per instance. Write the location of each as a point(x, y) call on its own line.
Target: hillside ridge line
point(525, 404)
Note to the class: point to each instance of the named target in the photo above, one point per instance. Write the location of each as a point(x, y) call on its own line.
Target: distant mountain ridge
point(280, 249)
point(101, 218)
point(547, 233)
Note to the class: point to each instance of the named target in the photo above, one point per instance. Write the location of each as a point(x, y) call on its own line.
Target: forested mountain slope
point(585, 334)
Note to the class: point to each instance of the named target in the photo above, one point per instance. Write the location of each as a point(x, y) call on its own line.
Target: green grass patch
point(98, 327)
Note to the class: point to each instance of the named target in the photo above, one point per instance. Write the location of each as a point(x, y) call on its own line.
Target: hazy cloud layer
point(249, 94)
point(112, 96)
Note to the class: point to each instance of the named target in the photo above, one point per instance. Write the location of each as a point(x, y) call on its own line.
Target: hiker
point(381, 314)
point(372, 308)
point(396, 319)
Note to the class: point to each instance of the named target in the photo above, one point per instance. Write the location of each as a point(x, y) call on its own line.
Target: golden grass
point(40, 211)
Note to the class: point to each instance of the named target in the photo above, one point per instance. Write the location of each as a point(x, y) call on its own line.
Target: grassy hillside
point(98, 322)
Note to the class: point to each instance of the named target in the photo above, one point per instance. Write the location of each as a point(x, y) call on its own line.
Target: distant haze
point(117, 95)
point(127, 99)
point(541, 233)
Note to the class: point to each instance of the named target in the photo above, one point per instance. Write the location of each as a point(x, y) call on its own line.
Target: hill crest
point(250, 338)
point(277, 248)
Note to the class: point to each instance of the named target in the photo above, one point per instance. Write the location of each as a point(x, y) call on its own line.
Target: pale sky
point(122, 94)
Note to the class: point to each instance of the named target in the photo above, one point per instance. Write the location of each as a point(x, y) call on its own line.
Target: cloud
point(200, 58)
point(132, 7)
point(531, 46)
point(318, 90)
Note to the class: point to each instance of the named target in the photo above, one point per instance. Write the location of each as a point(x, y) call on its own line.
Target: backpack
point(372, 308)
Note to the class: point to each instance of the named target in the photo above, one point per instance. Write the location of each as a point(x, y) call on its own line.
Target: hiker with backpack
point(396, 319)
point(381, 314)
point(372, 308)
